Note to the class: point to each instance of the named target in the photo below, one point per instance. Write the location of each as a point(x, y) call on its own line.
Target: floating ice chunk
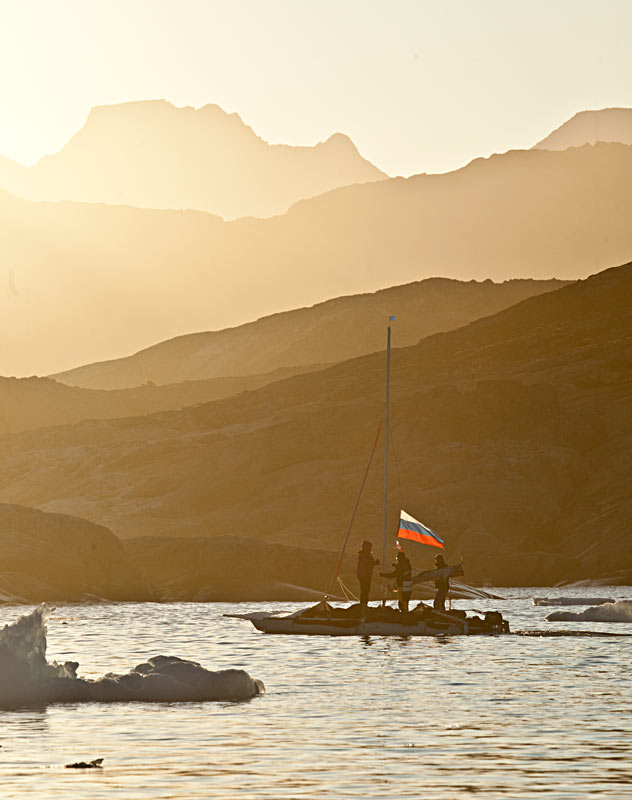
point(571, 601)
point(27, 678)
point(619, 611)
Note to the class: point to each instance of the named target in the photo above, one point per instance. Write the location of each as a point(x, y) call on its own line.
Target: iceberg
point(28, 679)
point(618, 611)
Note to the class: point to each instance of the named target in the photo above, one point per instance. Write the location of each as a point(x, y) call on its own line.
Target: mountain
point(28, 403)
point(510, 436)
point(85, 283)
point(58, 558)
point(334, 330)
point(229, 568)
point(590, 127)
point(323, 334)
point(53, 557)
point(154, 155)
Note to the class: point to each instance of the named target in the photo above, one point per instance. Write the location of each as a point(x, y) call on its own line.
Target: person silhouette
point(402, 573)
point(442, 582)
point(364, 573)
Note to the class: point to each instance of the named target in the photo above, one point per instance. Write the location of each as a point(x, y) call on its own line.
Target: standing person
point(442, 582)
point(364, 571)
point(441, 575)
point(402, 573)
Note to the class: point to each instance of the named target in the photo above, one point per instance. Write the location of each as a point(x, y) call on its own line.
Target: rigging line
point(355, 508)
point(349, 595)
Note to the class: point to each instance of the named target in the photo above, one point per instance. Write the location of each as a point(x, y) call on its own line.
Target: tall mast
point(386, 432)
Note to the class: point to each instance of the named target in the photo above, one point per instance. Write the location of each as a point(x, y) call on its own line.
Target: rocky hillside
point(153, 155)
point(511, 437)
point(229, 568)
point(95, 282)
point(52, 557)
point(323, 334)
point(55, 557)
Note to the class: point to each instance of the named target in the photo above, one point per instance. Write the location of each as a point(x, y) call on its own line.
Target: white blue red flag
point(411, 528)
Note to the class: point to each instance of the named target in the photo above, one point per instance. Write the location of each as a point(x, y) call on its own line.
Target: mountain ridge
point(506, 432)
point(331, 331)
point(589, 127)
point(151, 154)
point(128, 277)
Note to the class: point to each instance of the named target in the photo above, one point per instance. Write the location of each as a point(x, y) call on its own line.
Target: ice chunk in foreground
point(619, 611)
point(27, 678)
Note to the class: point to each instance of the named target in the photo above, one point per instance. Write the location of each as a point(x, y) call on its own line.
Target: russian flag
point(411, 528)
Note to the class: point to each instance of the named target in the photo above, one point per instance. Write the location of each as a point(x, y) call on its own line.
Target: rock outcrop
point(54, 557)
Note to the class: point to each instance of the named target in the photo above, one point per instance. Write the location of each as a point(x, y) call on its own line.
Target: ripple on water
point(343, 718)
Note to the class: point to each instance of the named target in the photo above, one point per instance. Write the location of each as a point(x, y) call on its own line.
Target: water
point(438, 719)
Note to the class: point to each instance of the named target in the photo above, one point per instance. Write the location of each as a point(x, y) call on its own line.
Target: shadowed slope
point(502, 432)
point(97, 281)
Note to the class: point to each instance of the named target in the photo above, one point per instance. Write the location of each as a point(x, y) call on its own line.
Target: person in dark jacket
point(364, 571)
point(402, 573)
point(442, 582)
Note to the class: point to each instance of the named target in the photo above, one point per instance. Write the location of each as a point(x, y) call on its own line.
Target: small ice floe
point(28, 679)
point(94, 764)
point(571, 601)
point(618, 611)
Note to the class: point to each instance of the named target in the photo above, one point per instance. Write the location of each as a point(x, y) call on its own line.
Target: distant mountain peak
point(589, 127)
point(153, 154)
point(339, 139)
point(341, 143)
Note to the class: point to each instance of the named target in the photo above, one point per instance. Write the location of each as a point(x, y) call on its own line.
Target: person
point(402, 573)
point(364, 571)
point(442, 582)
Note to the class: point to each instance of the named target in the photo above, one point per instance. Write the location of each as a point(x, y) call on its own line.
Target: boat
point(324, 619)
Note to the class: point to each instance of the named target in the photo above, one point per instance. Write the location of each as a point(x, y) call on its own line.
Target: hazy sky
point(419, 85)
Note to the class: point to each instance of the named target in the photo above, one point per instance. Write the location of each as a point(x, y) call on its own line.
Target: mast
point(386, 432)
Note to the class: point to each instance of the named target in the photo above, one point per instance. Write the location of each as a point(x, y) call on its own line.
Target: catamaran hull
point(314, 627)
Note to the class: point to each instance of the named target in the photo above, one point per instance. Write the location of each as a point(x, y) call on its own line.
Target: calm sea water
point(506, 717)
